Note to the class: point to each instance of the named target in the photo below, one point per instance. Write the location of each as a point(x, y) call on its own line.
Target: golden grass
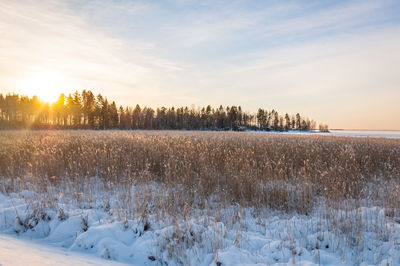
point(284, 172)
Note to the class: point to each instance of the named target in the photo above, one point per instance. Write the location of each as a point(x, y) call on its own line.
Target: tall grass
point(177, 173)
point(258, 170)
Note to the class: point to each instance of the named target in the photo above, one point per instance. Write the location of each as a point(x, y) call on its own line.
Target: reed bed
point(284, 172)
point(175, 175)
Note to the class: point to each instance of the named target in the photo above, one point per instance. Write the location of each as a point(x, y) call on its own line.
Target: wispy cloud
point(52, 36)
point(308, 56)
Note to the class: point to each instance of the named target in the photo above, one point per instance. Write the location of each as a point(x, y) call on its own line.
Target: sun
point(46, 84)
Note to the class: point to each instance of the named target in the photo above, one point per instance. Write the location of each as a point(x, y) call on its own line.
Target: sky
point(336, 62)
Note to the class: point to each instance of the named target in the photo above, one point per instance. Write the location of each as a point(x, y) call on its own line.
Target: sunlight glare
point(47, 85)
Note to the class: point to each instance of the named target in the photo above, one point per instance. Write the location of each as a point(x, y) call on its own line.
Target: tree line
point(87, 111)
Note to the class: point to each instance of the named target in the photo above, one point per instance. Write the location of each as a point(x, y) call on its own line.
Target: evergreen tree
point(261, 118)
point(287, 121)
point(136, 117)
point(298, 121)
point(114, 118)
point(59, 111)
point(70, 108)
point(77, 108)
point(86, 110)
point(89, 109)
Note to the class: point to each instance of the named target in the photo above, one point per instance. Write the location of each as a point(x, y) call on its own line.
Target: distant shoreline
point(345, 129)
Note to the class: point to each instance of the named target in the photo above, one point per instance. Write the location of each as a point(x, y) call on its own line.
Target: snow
point(392, 134)
point(22, 251)
point(95, 236)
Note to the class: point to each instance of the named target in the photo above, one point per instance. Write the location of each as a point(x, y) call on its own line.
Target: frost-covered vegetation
point(167, 197)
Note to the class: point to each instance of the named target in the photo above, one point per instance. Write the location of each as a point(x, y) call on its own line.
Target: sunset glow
point(335, 61)
point(45, 84)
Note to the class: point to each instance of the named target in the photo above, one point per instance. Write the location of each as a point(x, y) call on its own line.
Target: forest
point(86, 111)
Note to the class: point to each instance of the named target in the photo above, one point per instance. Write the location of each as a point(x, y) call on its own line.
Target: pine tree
point(77, 107)
point(59, 111)
point(261, 118)
point(114, 118)
point(298, 121)
point(136, 117)
point(70, 108)
point(89, 108)
point(92, 112)
point(287, 122)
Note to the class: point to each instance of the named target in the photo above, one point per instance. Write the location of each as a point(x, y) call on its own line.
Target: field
point(204, 198)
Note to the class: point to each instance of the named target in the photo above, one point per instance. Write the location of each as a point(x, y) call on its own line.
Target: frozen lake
point(366, 133)
point(394, 134)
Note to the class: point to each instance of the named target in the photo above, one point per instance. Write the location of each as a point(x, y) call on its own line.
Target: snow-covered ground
point(81, 235)
point(392, 134)
point(23, 251)
point(395, 134)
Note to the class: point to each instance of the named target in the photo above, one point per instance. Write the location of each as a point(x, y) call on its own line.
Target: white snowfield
point(78, 235)
point(21, 251)
point(391, 134)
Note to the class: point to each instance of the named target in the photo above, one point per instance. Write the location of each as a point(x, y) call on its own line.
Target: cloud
point(303, 56)
point(51, 36)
